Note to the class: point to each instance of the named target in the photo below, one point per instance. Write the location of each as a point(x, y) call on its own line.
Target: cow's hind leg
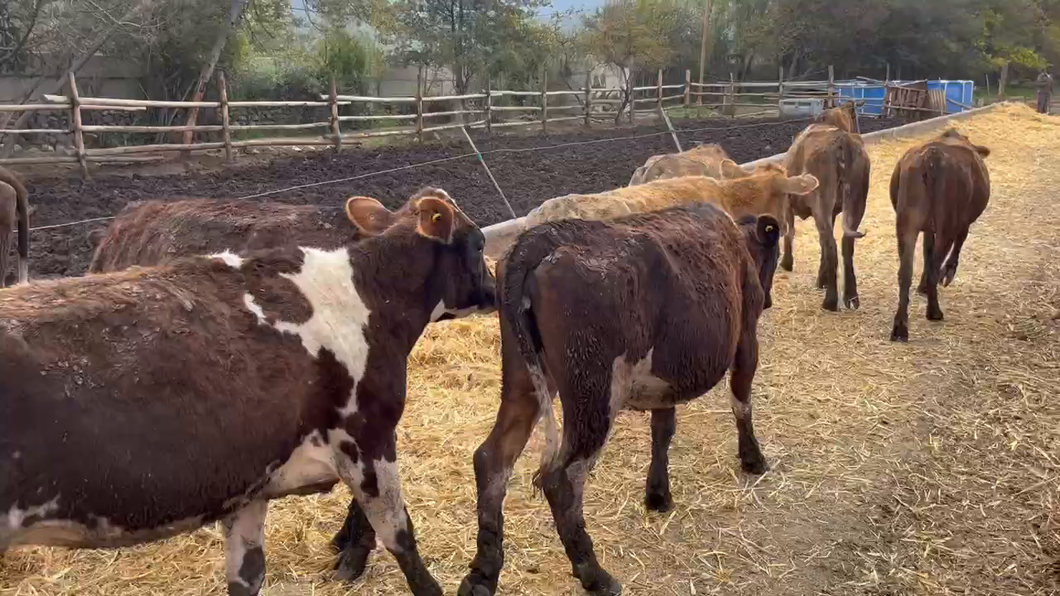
point(787, 262)
point(744, 366)
point(942, 248)
point(244, 549)
point(494, 460)
point(355, 542)
point(949, 270)
point(907, 235)
point(826, 276)
point(929, 258)
point(368, 465)
point(657, 496)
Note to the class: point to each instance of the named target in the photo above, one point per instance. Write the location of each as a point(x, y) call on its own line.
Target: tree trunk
point(206, 73)
point(77, 64)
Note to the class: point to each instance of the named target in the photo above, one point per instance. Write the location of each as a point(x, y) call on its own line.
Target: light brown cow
point(145, 403)
point(939, 188)
point(765, 191)
point(704, 160)
point(14, 213)
point(839, 161)
point(843, 117)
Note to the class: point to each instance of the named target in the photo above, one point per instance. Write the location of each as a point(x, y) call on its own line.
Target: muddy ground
point(527, 177)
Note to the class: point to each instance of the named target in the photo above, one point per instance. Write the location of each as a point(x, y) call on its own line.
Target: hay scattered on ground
point(927, 468)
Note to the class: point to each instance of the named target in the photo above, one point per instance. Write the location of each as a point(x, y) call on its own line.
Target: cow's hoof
point(853, 303)
point(597, 582)
point(471, 589)
point(660, 502)
point(787, 263)
point(900, 333)
point(934, 314)
point(831, 304)
point(754, 465)
point(351, 563)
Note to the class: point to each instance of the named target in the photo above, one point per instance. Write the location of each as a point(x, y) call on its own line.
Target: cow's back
point(155, 232)
point(951, 179)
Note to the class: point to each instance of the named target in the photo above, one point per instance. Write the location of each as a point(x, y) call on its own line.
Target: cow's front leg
point(355, 541)
point(244, 549)
point(368, 465)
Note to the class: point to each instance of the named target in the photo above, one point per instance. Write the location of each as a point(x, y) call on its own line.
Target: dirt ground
point(526, 177)
point(924, 468)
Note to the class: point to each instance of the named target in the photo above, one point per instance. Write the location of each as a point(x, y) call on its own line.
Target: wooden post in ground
point(888, 79)
point(1003, 80)
point(419, 105)
point(75, 124)
point(544, 101)
point(731, 96)
point(489, 105)
point(334, 101)
point(659, 95)
point(688, 88)
point(780, 89)
point(831, 87)
point(631, 90)
point(588, 98)
point(226, 132)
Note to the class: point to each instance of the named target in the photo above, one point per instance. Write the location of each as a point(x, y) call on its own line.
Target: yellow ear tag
point(437, 217)
point(769, 228)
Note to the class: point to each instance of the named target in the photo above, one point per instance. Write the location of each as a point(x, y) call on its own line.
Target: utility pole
point(703, 47)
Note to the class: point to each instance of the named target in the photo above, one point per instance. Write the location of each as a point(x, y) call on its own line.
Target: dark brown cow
point(839, 161)
point(843, 117)
point(14, 213)
point(939, 188)
point(152, 232)
point(144, 403)
point(642, 312)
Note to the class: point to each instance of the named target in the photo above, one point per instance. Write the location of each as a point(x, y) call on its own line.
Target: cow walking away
point(939, 188)
point(152, 232)
point(14, 214)
point(141, 404)
point(841, 165)
point(705, 160)
point(844, 117)
point(642, 312)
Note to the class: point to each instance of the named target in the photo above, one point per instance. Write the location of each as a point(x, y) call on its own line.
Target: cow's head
point(952, 136)
point(454, 243)
point(761, 233)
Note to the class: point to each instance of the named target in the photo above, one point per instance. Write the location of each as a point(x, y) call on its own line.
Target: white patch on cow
point(741, 410)
point(312, 462)
point(244, 530)
point(340, 316)
point(253, 306)
point(386, 512)
point(17, 516)
point(634, 386)
point(230, 258)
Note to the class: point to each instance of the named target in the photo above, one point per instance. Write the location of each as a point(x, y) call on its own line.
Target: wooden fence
point(487, 112)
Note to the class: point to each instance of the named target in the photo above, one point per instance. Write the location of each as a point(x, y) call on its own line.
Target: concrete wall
point(108, 76)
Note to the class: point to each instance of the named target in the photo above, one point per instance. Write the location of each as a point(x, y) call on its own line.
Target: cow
point(642, 312)
point(764, 191)
point(939, 188)
point(148, 233)
point(140, 404)
point(843, 117)
point(14, 214)
point(841, 164)
point(704, 160)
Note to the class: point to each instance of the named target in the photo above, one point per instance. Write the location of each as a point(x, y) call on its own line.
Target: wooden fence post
point(831, 87)
point(334, 101)
point(75, 124)
point(419, 105)
point(659, 95)
point(544, 101)
point(588, 98)
point(631, 87)
point(732, 96)
point(226, 132)
point(780, 90)
point(489, 105)
point(688, 88)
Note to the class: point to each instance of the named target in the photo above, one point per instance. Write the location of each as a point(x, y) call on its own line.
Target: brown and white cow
point(839, 161)
point(642, 312)
point(144, 403)
point(14, 214)
point(766, 190)
point(939, 188)
point(152, 232)
point(705, 160)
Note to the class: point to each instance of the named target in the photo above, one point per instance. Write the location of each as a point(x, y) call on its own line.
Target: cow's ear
point(800, 185)
point(731, 169)
point(767, 230)
point(369, 215)
point(982, 151)
point(436, 219)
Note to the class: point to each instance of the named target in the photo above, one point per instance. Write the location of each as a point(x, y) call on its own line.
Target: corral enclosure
point(927, 468)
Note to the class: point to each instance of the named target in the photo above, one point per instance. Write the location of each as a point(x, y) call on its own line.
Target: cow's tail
point(846, 188)
point(517, 311)
point(934, 180)
point(22, 209)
